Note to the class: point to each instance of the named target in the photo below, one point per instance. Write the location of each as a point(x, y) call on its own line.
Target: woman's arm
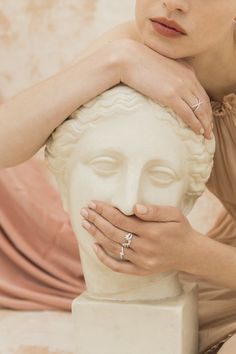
point(28, 119)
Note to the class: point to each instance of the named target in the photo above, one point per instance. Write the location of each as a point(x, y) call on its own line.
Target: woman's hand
point(163, 238)
point(173, 83)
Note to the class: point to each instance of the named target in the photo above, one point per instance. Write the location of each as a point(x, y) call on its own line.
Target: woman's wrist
point(98, 72)
point(211, 260)
point(123, 53)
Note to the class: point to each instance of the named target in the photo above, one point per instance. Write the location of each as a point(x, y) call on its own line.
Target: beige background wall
point(38, 37)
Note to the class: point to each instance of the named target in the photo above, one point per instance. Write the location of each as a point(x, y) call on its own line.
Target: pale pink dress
point(39, 261)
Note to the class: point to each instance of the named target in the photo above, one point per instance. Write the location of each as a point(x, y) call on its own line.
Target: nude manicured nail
point(84, 213)
point(92, 205)
point(141, 209)
point(202, 131)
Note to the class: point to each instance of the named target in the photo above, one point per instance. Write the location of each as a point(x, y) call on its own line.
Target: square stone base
point(162, 327)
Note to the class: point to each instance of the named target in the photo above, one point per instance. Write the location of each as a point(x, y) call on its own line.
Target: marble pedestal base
point(162, 327)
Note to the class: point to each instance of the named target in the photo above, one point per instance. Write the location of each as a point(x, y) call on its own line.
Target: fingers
point(196, 93)
point(158, 213)
point(199, 121)
point(115, 217)
point(112, 247)
point(200, 105)
point(99, 225)
point(118, 266)
point(184, 111)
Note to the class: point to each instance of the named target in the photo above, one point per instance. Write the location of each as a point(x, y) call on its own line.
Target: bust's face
point(134, 158)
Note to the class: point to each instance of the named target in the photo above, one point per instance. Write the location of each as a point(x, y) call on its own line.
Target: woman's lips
point(169, 23)
point(168, 28)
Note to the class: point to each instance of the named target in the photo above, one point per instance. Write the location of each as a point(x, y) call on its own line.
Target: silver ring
point(196, 105)
point(128, 239)
point(122, 253)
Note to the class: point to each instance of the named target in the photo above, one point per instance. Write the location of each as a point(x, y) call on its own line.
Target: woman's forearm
point(27, 119)
point(212, 260)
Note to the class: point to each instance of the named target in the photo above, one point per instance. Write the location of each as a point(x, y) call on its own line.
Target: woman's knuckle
point(95, 232)
point(114, 248)
point(149, 264)
point(117, 219)
point(112, 233)
point(170, 93)
point(180, 82)
point(147, 250)
point(192, 75)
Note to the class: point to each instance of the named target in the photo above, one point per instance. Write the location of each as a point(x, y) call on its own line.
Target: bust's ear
point(187, 204)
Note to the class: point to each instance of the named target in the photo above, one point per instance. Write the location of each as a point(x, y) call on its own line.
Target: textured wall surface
point(38, 37)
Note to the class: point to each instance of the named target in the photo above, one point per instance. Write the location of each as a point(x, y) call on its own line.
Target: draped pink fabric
point(39, 259)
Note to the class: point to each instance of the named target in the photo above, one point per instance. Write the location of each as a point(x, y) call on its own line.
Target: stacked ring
point(128, 239)
point(126, 244)
point(196, 105)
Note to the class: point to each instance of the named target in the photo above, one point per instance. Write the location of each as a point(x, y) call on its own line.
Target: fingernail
point(92, 205)
point(202, 131)
point(84, 213)
point(86, 224)
point(141, 209)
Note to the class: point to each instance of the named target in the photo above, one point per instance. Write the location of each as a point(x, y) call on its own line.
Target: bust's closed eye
point(105, 165)
point(162, 175)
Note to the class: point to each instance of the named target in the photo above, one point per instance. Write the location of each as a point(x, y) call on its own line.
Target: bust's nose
point(127, 193)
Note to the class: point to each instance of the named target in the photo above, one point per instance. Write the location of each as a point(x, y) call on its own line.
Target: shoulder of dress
point(225, 108)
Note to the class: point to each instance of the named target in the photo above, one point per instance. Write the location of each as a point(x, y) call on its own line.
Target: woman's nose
point(127, 195)
point(176, 5)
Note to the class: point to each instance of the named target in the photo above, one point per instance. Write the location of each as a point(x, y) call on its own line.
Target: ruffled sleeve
point(223, 178)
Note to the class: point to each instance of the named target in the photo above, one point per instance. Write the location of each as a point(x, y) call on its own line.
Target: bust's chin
point(104, 284)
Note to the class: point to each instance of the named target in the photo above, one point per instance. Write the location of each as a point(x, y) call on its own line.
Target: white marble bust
point(123, 148)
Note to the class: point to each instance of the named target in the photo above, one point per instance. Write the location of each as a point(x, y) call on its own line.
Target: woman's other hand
point(171, 82)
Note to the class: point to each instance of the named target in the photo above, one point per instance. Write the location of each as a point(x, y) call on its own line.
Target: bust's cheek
point(84, 185)
point(172, 194)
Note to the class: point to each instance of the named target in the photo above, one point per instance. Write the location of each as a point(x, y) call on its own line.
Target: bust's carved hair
point(112, 103)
